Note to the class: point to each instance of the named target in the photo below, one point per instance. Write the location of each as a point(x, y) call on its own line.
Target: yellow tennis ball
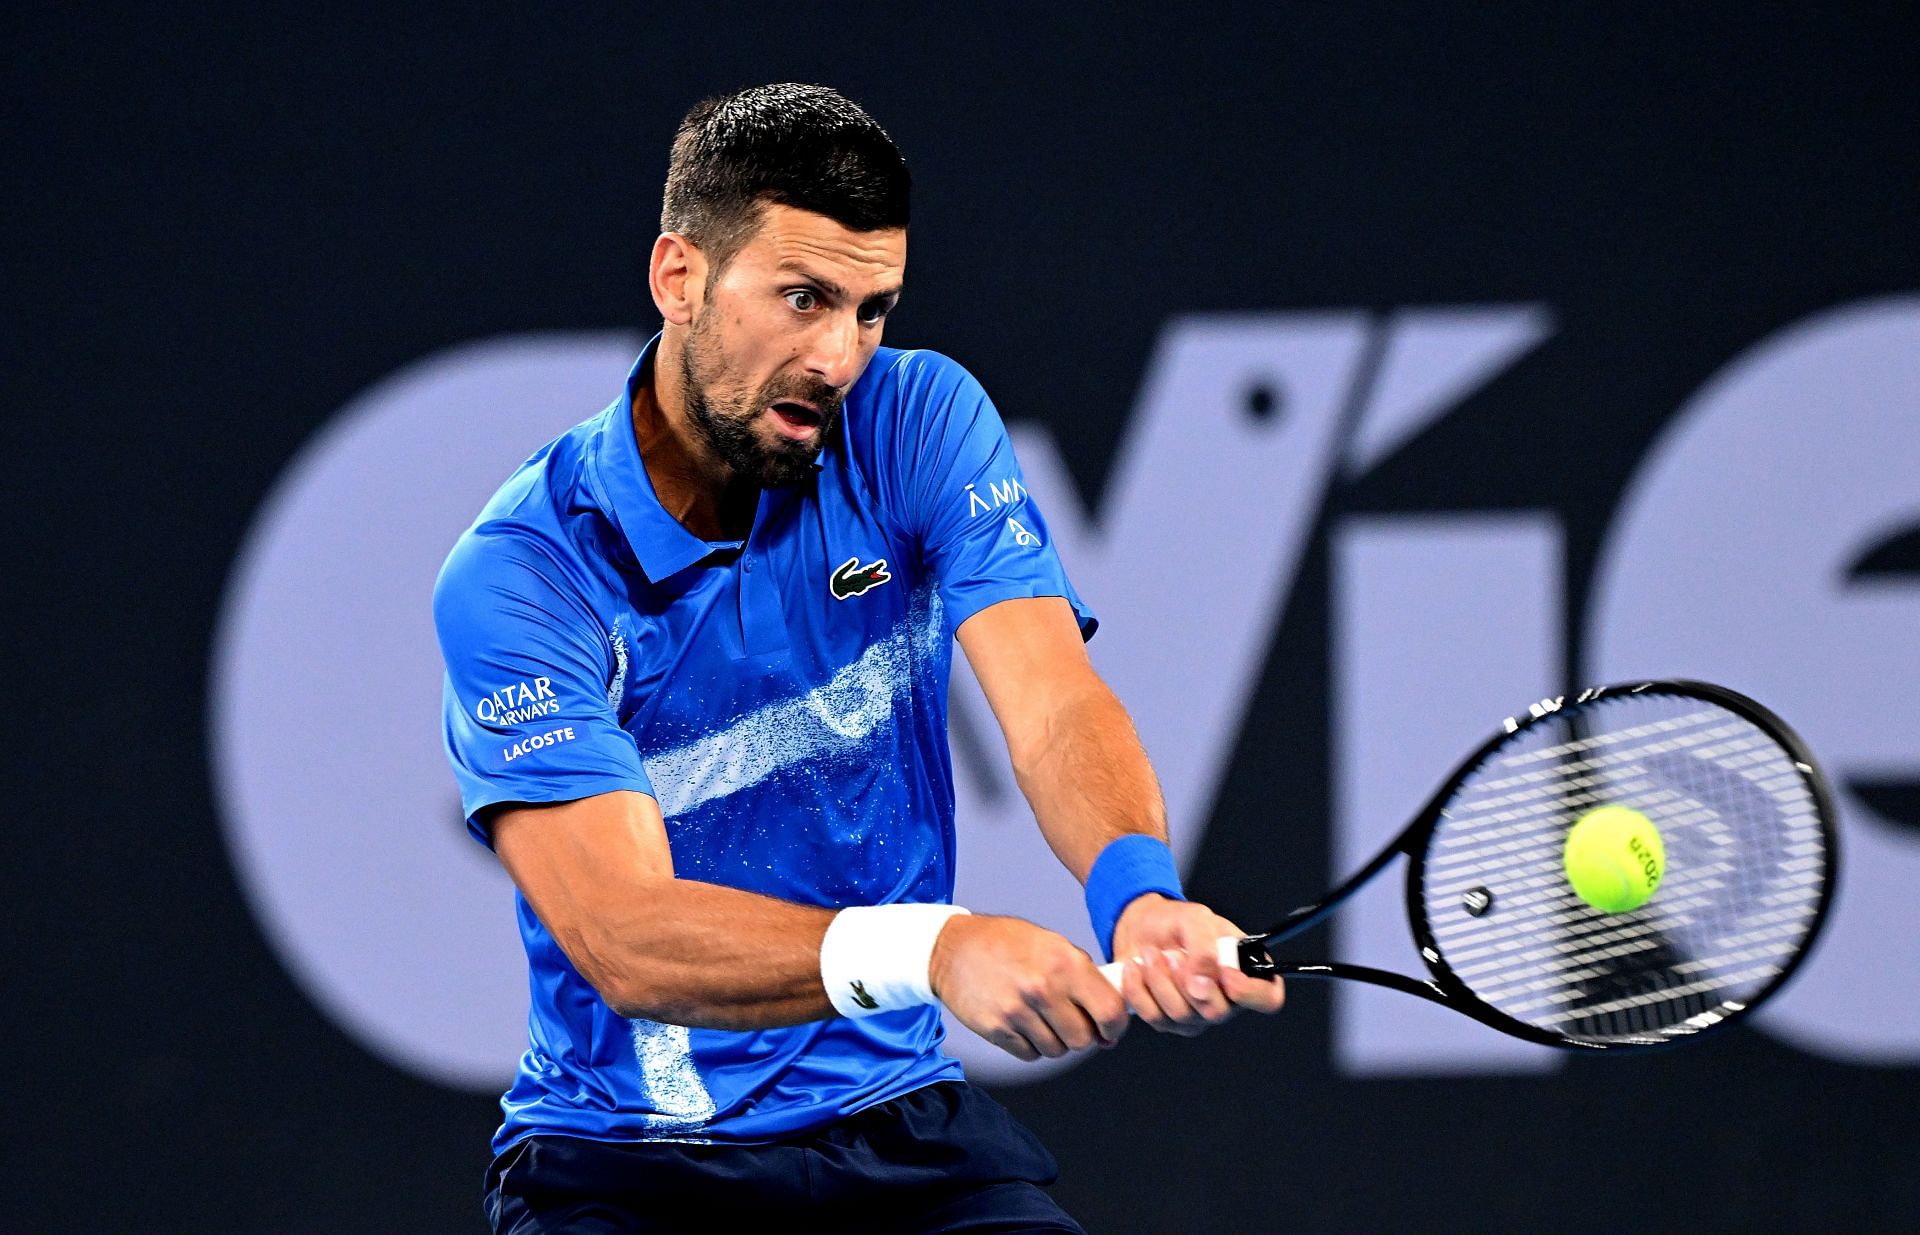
point(1614, 858)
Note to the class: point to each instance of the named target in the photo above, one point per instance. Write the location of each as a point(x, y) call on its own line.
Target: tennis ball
point(1614, 858)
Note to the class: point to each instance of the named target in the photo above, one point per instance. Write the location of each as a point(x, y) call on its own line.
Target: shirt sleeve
point(981, 532)
point(527, 712)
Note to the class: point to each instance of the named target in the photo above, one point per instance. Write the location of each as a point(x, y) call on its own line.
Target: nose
point(834, 350)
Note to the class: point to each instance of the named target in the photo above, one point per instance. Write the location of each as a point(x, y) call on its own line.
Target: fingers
point(1163, 987)
point(1023, 988)
point(1034, 1025)
point(1152, 994)
point(1199, 935)
point(1185, 989)
point(1096, 999)
point(1253, 994)
point(1076, 1011)
point(1067, 1006)
point(1173, 995)
point(1012, 1043)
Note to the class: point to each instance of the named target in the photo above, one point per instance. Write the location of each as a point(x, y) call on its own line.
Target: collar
point(661, 544)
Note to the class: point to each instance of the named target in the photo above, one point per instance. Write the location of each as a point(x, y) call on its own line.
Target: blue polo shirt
point(784, 698)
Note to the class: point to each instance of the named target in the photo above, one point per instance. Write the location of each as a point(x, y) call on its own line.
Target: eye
point(872, 313)
point(802, 300)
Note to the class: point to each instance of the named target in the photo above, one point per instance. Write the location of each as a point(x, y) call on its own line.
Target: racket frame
point(1444, 987)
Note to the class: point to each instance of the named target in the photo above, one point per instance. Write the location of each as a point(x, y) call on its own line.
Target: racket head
point(1751, 864)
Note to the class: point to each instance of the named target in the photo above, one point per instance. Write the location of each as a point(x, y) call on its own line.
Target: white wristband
point(875, 958)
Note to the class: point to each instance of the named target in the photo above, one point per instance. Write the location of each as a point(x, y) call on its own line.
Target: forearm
point(691, 953)
point(599, 873)
point(1087, 778)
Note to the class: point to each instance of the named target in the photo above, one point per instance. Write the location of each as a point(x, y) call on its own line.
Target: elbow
point(629, 1008)
point(630, 990)
point(624, 996)
point(642, 1001)
point(635, 999)
point(648, 993)
point(627, 989)
point(659, 997)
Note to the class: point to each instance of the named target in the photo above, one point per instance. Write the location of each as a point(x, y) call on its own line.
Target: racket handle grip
point(1226, 948)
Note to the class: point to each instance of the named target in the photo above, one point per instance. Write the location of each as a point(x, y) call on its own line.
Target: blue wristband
point(1128, 867)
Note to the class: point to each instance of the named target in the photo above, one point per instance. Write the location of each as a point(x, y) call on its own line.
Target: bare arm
point(1082, 768)
point(1074, 750)
point(600, 875)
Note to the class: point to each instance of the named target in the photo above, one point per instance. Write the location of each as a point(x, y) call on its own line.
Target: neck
point(693, 484)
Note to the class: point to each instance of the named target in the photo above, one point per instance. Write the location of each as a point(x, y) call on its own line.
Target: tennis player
point(697, 655)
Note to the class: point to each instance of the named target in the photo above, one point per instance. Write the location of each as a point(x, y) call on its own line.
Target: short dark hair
point(809, 147)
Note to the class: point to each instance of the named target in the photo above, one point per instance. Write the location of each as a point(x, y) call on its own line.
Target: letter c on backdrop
point(338, 805)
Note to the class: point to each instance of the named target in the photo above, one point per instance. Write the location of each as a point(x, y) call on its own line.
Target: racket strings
point(1744, 875)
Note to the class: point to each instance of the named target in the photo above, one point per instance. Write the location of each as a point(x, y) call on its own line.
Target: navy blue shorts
point(943, 1158)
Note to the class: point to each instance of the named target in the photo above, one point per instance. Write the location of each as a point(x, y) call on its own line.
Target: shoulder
point(907, 402)
point(913, 422)
point(529, 540)
point(916, 380)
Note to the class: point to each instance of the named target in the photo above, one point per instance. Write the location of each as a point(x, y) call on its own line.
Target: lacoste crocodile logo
point(853, 579)
point(861, 997)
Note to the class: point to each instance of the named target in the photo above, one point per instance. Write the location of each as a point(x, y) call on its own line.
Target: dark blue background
point(220, 225)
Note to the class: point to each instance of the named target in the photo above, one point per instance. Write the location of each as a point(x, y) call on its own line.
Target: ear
point(677, 277)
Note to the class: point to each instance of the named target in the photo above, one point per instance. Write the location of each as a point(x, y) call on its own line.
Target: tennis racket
point(1747, 823)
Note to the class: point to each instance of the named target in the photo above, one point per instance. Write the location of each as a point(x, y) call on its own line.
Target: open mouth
point(796, 419)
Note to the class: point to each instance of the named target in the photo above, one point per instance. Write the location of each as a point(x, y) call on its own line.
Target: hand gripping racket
point(1746, 821)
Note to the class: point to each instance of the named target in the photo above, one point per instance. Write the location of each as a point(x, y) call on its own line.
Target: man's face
point(785, 330)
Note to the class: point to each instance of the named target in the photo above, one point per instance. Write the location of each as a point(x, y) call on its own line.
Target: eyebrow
point(834, 289)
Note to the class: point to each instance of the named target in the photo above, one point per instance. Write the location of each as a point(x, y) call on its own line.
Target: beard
point(730, 426)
